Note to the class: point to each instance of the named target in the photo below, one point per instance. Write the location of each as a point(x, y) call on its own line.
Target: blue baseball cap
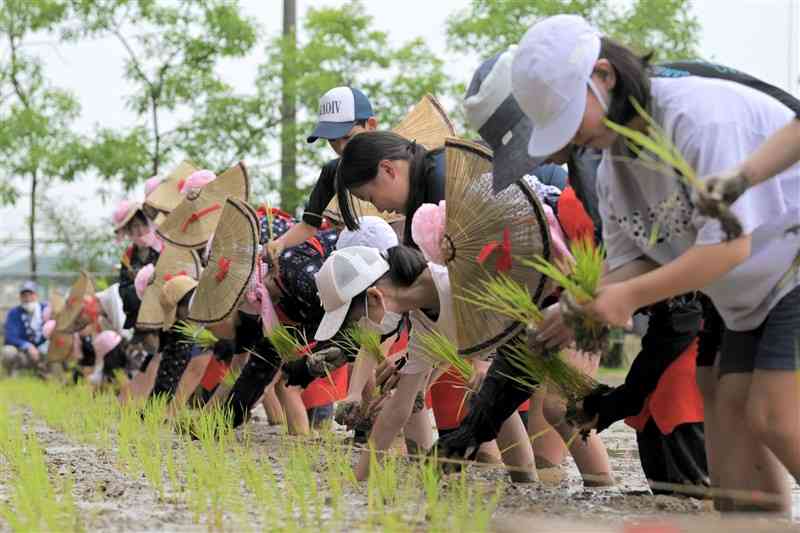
point(339, 110)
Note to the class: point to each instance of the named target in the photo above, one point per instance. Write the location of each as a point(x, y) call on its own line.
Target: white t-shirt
point(715, 124)
point(421, 324)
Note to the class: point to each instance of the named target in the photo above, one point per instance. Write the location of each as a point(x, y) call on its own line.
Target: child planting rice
point(713, 124)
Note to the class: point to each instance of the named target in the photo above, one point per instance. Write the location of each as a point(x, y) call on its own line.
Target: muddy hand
point(325, 361)
point(727, 187)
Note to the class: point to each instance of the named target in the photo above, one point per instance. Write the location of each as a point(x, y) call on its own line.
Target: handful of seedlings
point(580, 280)
point(286, 343)
point(195, 334)
point(657, 151)
point(439, 349)
point(534, 363)
point(358, 337)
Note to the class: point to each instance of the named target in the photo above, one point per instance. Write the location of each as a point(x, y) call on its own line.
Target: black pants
point(678, 458)
point(174, 360)
point(256, 375)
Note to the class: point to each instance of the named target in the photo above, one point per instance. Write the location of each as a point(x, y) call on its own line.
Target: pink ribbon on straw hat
point(257, 294)
point(427, 231)
point(151, 184)
point(197, 180)
point(143, 279)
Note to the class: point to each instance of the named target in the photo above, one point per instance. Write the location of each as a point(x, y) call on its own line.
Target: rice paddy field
point(71, 461)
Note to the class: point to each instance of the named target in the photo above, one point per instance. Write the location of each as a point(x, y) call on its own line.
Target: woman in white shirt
point(569, 79)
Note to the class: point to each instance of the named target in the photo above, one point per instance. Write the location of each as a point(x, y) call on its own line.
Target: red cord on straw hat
point(503, 263)
point(168, 277)
point(224, 265)
point(197, 215)
point(181, 183)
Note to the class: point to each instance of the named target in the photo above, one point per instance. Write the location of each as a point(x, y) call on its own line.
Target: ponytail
point(405, 265)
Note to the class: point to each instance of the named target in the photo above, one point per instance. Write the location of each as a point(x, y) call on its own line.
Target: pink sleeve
point(559, 240)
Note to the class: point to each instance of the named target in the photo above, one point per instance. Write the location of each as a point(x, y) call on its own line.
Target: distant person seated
point(25, 344)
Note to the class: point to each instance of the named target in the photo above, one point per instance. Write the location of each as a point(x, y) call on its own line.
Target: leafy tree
point(340, 46)
point(36, 141)
point(172, 48)
point(666, 27)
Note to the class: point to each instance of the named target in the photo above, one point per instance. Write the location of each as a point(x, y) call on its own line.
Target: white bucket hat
point(344, 275)
point(549, 76)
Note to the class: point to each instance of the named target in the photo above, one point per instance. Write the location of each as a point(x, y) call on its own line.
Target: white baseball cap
point(339, 110)
point(344, 275)
point(372, 231)
point(550, 76)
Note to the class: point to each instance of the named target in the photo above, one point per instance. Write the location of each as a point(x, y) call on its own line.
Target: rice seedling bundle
point(360, 338)
point(553, 372)
point(285, 343)
point(440, 349)
point(580, 279)
point(196, 334)
point(656, 150)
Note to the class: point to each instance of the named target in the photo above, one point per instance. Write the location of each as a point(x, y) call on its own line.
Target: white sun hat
point(344, 275)
point(372, 231)
point(549, 76)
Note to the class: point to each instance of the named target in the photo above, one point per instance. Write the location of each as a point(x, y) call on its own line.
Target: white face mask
point(598, 95)
point(29, 307)
point(389, 323)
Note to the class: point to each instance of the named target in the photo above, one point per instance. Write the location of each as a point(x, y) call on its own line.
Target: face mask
point(598, 95)
point(29, 307)
point(389, 323)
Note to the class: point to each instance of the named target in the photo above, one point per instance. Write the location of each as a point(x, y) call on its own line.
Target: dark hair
point(140, 216)
point(359, 165)
point(405, 266)
point(633, 81)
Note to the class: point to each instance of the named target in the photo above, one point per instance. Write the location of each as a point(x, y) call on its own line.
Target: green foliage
point(666, 27)
point(340, 46)
point(172, 50)
point(82, 245)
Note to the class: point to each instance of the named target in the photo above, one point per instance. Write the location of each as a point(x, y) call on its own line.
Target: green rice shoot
point(582, 277)
point(657, 142)
point(360, 338)
point(196, 334)
point(506, 297)
point(439, 348)
point(553, 372)
point(285, 342)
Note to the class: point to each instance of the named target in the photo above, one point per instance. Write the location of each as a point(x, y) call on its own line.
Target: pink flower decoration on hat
point(427, 230)
point(47, 329)
point(151, 184)
point(122, 210)
point(197, 180)
point(143, 278)
point(104, 342)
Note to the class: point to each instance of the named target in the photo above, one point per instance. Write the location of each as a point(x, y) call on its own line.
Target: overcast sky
point(751, 35)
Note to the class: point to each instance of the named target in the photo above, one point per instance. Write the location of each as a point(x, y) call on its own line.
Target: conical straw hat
point(234, 252)
point(192, 223)
point(60, 347)
point(82, 287)
point(428, 125)
point(475, 218)
point(56, 303)
point(167, 196)
point(173, 261)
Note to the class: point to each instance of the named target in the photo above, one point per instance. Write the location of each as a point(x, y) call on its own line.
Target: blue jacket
point(15, 333)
